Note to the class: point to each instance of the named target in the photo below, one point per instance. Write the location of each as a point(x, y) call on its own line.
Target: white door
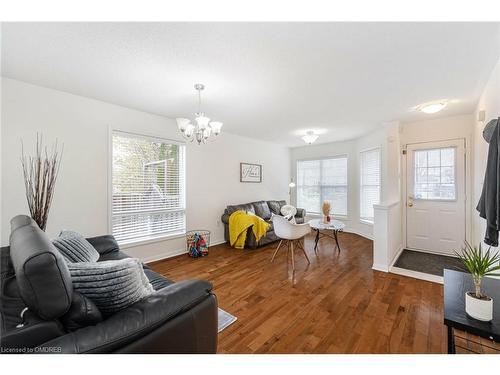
point(435, 202)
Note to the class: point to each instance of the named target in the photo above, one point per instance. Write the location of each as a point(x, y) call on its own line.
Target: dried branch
point(40, 174)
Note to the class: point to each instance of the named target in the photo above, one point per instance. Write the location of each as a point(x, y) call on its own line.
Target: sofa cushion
point(271, 226)
point(133, 324)
point(75, 248)
point(42, 274)
point(104, 244)
point(157, 281)
point(275, 206)
point(116, 255)
point(262, 209)
point(112, 285)
point(82, 313)
point(248, 207)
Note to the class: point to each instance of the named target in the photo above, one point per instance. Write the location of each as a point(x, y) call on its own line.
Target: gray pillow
point(112, 285)
point(75, 248)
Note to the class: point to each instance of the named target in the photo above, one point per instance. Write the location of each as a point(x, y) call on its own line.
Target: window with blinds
point(369, 183)
point(322, 180)
point(148, 188)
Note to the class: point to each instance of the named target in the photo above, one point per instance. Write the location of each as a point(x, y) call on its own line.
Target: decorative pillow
point(112, 285)
point(75, 248)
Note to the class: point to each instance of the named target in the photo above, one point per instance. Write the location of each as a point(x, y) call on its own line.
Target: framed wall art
point(250, 172)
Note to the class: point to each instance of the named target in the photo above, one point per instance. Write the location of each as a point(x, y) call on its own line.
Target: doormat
point(433, 264)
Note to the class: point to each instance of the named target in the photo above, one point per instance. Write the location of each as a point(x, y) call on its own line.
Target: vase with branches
point(40, 173)
point(479, 264)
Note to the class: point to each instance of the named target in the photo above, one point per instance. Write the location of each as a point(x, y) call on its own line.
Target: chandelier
point(310, 137)
point(203, 130)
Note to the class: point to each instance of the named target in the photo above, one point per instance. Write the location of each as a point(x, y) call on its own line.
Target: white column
point(387, 242)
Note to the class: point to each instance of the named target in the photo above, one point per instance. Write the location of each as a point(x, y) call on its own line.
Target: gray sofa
point(263, 209)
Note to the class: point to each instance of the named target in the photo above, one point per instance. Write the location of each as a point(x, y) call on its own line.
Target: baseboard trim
point(172, 254)
point(380, 267)
point(394, 260)
point(383, 267)
point(354, 231)
point(417, 275)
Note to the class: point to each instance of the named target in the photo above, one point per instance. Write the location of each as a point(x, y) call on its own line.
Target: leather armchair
point(178, 318)
point(144, 328)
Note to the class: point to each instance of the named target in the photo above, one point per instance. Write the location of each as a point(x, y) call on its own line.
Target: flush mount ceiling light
point(433, 107)
point(204, 130)
point(310, 137)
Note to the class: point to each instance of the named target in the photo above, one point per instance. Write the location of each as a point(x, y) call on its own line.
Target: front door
point(435, 202)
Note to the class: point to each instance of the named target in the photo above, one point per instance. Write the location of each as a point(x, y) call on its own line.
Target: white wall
point(352, 148)
point(81, 201)
point(391, 138)
point(452, 127)
point(490, 103)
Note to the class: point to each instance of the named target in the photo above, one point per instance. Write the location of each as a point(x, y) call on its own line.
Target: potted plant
point(480, 264)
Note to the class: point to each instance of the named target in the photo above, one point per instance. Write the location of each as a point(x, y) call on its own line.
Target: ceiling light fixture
point(310, 137)
point(430, 108)
point(204, 130)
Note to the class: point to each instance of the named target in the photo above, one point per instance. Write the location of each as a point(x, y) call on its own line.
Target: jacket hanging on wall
point(489, 203)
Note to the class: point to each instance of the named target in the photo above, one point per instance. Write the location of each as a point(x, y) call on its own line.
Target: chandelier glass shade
point(310, 137)
point(201, 129)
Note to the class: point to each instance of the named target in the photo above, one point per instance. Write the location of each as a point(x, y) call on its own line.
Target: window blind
point(322, 180)
point(369, 183)
point(148, 188)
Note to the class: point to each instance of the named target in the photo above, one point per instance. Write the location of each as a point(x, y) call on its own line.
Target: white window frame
point(455, 160)
point(112, 130)
point(338, 156)
point(366, 220)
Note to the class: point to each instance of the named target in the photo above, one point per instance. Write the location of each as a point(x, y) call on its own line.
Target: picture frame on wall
point(250, 172)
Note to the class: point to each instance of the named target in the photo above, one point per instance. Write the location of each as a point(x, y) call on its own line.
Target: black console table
point(455, 285)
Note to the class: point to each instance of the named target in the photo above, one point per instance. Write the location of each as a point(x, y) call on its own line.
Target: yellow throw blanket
point(239, 222)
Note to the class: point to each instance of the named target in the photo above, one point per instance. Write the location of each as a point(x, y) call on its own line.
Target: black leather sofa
point(263, 209)
point(179, 317)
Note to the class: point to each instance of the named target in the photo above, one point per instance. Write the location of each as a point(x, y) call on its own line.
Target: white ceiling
point(270, 81)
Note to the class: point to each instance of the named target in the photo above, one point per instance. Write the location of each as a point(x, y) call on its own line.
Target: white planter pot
point(480, 309)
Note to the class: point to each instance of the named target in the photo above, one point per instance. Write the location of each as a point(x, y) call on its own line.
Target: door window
point(435, 174)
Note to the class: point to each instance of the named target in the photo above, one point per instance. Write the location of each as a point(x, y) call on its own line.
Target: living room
point(249, 187)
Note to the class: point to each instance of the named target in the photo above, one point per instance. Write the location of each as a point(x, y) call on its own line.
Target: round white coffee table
point(334, 225)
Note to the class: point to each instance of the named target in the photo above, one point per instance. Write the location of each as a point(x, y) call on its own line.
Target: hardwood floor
point(337, 304)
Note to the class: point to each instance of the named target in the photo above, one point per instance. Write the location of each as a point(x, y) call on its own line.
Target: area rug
point(225, 320)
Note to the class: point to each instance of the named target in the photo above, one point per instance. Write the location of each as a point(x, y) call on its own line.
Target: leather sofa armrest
point(104, 244)
point(225, 218)
point(134, 322)
point(300, 213)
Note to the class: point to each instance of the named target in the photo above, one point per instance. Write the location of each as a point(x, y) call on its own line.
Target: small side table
point(334, 225)
point(487, 334)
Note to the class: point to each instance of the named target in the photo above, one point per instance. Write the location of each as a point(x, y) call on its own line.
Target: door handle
point(410, 201)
